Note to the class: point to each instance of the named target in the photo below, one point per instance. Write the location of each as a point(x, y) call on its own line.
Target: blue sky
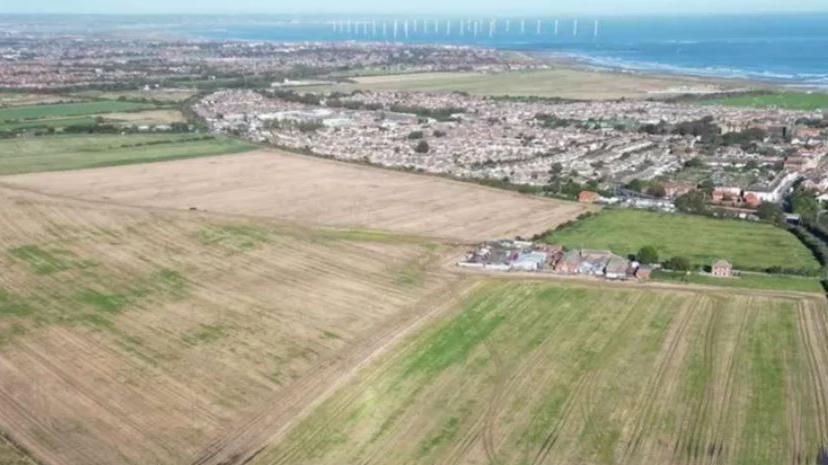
point(501, 7)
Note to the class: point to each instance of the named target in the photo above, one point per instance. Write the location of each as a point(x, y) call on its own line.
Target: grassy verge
point(745, 281)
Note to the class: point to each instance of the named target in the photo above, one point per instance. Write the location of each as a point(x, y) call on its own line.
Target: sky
point(500, 7)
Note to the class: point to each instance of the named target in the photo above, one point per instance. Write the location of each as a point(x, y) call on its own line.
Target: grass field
point(69, 109)
point(130, 336)
point(748, 246)
point(747, 281)
point(44, 123)
point(68, 152)
point(559, 82)
point(784, 100)
point(531, 373)
point(321, 192)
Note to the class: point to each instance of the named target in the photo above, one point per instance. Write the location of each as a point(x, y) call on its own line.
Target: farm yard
point(748, 246)
point(69, 152)
point(543, 373)
point(123, 341)
point(319, 192)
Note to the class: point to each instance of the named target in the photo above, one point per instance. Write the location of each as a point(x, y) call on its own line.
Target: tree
point(678, 264)
point(771, 212)
point(806, 205)
point(692, 202)
point(647, 254)
point(657, 190)
point(635, 185)
point(555, 170)
point(422, 147)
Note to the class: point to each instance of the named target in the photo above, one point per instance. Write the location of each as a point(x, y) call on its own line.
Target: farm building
point(722, 269)
point(644, 272)
point(589, 197)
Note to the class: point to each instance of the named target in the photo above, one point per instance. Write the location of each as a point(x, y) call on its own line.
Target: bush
point(413, 135)
point(678, 264)
point(422, 147)
point(692, 202)
point(648, 254)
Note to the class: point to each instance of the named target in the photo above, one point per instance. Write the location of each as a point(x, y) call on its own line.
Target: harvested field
point(136, 336)
point(559, 82)
point(11, 455)
point(532, 373)
point(315, 191)
point(147, 117)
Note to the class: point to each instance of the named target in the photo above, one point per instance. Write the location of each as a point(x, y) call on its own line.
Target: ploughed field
point(539, 373)
point(316, 191)
point(133, 336)
point(748, 246)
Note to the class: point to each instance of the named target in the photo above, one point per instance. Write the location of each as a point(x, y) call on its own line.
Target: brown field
point(315, 192)
point(136, 336)
point(147, 117)
point(13, 99)
point(271, 326)
point(562, 82)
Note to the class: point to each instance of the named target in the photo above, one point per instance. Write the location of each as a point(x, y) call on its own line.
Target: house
point(753, 200)
point(676, 189)
point(722, 269)
point(616, 268)
point(589, 197)
point(644, 272)
point(726, 195)
point(569, 262)
point(529, 261)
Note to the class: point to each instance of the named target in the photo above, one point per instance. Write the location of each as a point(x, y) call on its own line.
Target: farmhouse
point(589, 197)
point(722, 269)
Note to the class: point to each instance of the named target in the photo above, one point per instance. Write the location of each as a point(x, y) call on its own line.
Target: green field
point(747, 281)
point(785, 100)
point(748, 246)
point(531, 373)
point(69, 109)
point(45, 123)
point(57, 153)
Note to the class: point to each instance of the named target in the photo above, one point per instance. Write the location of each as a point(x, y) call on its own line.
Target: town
point(748, 156)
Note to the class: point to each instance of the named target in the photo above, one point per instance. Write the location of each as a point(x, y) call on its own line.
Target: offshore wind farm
point(786, 49)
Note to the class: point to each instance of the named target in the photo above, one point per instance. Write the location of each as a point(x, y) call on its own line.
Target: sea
point(783, 49)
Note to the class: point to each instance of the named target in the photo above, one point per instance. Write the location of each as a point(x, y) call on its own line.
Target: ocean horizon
point(783, 49)
point(780, 49)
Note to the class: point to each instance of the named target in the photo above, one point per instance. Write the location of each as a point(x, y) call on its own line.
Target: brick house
point(722, 269)
point(588, 197)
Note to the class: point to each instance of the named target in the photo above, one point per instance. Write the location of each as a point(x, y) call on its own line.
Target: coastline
point(585, 63)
